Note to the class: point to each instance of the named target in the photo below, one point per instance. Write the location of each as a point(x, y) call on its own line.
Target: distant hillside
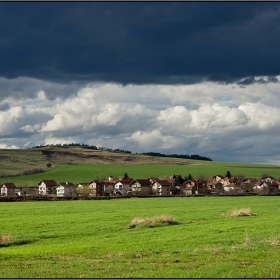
point(34, 160)
point(153, 154)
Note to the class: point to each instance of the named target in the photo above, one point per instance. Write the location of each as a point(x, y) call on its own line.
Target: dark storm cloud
point(22, 88)
point(253, 80)
point(139, 42)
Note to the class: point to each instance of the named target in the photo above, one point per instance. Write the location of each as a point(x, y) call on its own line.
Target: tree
point(125, 176)
point(179, 180)
point(190, 177)
point(228, 174)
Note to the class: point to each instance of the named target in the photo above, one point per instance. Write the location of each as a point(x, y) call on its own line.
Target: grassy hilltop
point(78, 164)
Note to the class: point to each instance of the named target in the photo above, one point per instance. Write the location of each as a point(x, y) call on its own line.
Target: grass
point(91, 239)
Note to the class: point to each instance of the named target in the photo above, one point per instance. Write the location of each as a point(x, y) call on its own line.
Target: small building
point(8, 189)
point(96, 188)
point(108, 187)
point(176, 190)
point(65, 189)
point(123, 185)
point(268, 179)
point(161, 187)
point(186, 190)
point(232, 188)
point(217, 178)
point(47, 187)
point(141, 187)
point(82, 189)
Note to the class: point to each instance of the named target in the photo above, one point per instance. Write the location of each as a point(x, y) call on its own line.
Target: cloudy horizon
point(184, 77)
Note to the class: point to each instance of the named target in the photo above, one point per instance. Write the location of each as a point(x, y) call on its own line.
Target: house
point(249, 180)
point(215, 187)
point(123, 185)
point(153, 179)
point(108, 187)
point(268, 179)
point(189, 183)
point(186, 189)
point(197, 186)
point(47, 187)
point(266, 187)
point(176, 190)
point(161, 187)
point(95, 188)
point(82, 189)
point(8, 189)
point(232, 188)
point(141, 187)
point(65, 189)
point(217, 178)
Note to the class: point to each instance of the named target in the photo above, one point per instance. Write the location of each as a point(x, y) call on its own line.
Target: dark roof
point(268, 177)
point(96, 181)
point(108, 183)
point(66, 184)
point(142, 181)
point(163, 182)
point(9, 185)
point(49, 182)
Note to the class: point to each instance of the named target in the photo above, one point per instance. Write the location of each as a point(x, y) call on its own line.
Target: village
point(129, 187)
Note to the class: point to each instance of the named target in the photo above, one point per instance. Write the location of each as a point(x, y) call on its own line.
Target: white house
point(65, 189)
point(232, 188)
point(161, 187)
point(47, 187)
point(8, 189)
point(123, 185)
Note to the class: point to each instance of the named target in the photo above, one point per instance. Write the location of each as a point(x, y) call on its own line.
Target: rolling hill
point(78, 164)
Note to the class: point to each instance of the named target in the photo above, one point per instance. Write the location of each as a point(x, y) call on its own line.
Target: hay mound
point(5, 238)
point(157, 220)
point(240, 212)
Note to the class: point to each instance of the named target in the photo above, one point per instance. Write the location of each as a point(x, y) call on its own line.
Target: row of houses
point(144, 187)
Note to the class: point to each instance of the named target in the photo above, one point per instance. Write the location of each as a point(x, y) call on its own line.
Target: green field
point(92, 239)
point(86, 173)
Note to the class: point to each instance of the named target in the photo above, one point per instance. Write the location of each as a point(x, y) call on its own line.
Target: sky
point(170, 77)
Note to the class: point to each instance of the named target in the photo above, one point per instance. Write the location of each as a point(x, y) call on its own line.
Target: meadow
point(88, 172)
point(94, 239)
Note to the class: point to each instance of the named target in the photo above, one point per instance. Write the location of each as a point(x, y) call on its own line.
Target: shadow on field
point(16, 243)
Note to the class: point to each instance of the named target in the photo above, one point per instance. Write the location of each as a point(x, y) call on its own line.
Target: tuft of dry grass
point(163, 219)
point(247, 238)
point(274, 241)
point(5, 238)
point(240, 212)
